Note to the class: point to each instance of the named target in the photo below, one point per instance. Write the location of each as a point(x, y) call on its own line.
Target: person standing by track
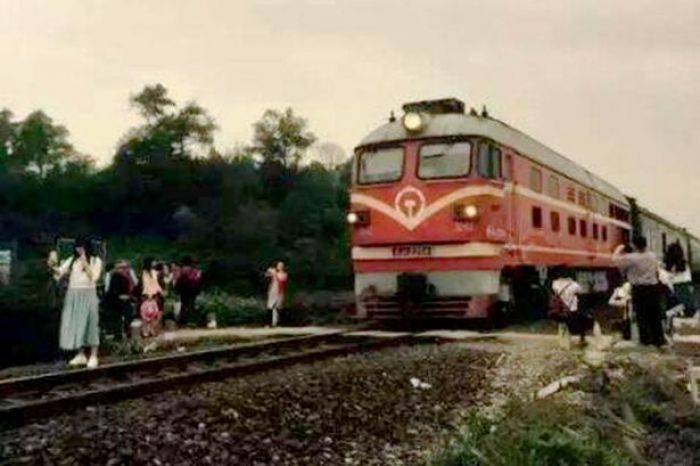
point(80, 315)
point(151, 306)
point(641, 268)
point(120, 283)
point(275, 293)
point(187, 284)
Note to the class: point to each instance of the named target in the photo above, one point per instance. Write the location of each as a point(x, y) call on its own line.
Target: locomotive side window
point(380, 165)
point(554, 221)
point(536, 179)
point(572, 226)
point(582, 198)
point(489, 163)
point(537, 217)
point(553, 186)
point(444, 160)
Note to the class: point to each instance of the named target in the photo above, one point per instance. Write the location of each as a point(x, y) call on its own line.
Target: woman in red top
point(275, 293)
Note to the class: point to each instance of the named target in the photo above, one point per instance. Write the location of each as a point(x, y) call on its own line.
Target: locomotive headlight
point(359, 218)
point(471, 211)
point(412, 122)
point(466, 212)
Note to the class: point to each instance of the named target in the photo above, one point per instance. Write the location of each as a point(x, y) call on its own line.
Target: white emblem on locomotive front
point(410, 202)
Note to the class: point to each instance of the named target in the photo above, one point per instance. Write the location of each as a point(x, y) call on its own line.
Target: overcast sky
point(611, 84)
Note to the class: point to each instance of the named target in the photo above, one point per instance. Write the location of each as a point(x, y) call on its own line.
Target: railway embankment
point(465, 402)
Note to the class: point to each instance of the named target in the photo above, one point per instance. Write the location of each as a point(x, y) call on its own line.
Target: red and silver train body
point(454, 214)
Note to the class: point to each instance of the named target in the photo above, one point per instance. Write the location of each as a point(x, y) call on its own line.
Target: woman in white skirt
point(275, 293)
point(79, 319)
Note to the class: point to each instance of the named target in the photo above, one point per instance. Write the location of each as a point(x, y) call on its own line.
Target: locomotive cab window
point(444, 160)
point(489, 161)
point(380, 165)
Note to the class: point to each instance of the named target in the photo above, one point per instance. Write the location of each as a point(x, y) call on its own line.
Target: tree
point(152, 101)
point(282, 137)
point(7, 134)
point(40, 144)
point(167, 134)
point(190, 126)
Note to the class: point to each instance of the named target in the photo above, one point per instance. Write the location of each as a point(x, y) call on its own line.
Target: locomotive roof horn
point(435, 107)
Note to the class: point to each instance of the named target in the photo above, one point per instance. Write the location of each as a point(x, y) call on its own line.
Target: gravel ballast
point(360, 409)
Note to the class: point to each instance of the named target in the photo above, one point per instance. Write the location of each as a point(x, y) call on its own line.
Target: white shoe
point(78, 360)
point(92, 363)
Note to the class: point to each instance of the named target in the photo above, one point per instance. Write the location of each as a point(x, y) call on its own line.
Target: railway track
point(30, 398)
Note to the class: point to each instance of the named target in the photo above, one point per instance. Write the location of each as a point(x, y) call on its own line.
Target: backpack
point(557, 308)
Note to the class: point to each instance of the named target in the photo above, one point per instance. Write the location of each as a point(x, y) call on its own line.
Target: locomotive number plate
point(413, 250)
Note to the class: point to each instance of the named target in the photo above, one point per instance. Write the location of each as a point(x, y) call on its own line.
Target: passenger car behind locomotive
point(458, 215)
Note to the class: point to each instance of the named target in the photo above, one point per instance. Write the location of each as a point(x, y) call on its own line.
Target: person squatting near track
point(622, 299)
point(79, 329)
point(564, 306)
point(275, 293)
point(641, 268)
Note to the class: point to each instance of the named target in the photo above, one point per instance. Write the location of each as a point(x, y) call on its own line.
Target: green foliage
point(36, 144)
point(621, 420)
point(229, 310)
point(540, 433)
point(282, 137)
point(152, 101)
point(236, 212)
point(168, 133)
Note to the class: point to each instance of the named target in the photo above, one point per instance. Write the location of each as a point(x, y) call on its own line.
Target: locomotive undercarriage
point(498, 296)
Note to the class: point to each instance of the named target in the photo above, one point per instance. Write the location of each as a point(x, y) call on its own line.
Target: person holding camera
point(641, 267)
point(80, 315)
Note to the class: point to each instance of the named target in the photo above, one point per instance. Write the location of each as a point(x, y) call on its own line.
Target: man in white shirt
point(642, 271)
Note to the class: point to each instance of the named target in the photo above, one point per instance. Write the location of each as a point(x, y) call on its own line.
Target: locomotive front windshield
point(381, 165)
point(444, 160)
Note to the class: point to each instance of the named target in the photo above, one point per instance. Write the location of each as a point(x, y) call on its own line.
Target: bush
point(29, 321)
point(229, 310)
point(540, 433)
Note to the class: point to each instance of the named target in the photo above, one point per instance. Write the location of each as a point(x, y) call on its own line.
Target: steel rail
point(23, 411)
point(46, 381)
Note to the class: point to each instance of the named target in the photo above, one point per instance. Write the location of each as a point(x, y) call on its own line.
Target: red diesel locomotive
point(458, 215)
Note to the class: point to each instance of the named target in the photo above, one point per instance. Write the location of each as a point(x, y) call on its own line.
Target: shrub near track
point(625, 414)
